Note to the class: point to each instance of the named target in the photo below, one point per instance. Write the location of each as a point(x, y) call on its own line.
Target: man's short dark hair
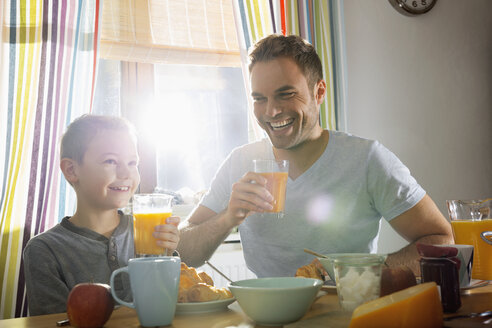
point(292, 46)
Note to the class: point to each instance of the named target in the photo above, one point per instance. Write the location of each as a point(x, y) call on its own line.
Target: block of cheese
point(416, 306)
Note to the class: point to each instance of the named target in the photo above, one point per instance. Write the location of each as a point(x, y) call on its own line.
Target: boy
point(99, 159)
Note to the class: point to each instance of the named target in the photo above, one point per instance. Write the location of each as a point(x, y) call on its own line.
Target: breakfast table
point(325, 312)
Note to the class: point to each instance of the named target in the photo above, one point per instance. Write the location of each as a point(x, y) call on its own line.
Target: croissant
point(206, 278)
point(202, 293)
point(198, 287)
point(182, 295)
point(224, 293)
point(309, 271)
point(190, 274)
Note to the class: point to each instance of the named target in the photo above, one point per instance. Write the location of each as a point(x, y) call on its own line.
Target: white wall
point(423, 87)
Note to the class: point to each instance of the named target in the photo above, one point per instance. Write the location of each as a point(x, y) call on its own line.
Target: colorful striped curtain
point(318, 21)
point(47, 75)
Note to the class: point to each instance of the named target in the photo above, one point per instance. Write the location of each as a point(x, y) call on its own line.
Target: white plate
point(203, 307)
point(474, 283)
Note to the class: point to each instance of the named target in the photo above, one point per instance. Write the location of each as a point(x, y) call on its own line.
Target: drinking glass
point(149, 210)
point(277, 174)
point(472, 221)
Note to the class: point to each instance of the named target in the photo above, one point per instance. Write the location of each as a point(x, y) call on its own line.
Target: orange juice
point(468, 233)
point(276, 185)
point(143, 228)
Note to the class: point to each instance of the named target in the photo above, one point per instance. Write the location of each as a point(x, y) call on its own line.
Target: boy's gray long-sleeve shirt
point(58, 259)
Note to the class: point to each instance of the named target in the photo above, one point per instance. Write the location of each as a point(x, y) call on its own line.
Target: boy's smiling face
point(108, 175)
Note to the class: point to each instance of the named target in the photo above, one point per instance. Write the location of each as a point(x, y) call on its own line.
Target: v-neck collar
point(327, 153)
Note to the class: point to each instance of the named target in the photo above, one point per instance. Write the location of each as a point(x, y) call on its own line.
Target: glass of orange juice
point(277, 174)
point(149, 210)
point(470, 219)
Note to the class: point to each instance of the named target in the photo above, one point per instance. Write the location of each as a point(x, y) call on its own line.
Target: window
point(203, 110)
point(173, 69)
point(198, 115)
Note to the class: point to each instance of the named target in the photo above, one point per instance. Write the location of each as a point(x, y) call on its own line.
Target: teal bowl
point(275, 301)
point(328, 261)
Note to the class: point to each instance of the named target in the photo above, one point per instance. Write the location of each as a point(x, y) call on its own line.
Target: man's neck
point(302, 157)
point(101, 221)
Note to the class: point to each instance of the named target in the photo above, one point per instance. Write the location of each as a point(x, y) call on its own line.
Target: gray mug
point(154, 283)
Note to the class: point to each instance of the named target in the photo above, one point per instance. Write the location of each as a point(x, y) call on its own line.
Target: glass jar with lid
point(444, 272)
point(358, 279)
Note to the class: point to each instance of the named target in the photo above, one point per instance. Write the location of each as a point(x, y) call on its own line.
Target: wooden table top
point(325, 312)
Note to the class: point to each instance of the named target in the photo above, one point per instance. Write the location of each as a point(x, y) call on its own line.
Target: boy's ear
point(68, 167)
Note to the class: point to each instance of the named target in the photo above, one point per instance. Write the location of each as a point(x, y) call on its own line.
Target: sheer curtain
point(192, 32)
point(318, 21)
point(48, 62)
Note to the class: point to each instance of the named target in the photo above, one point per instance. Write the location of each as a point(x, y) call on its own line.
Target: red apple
point(397, 278)
point(89, 305)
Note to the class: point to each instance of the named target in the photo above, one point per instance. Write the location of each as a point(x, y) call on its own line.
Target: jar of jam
point(444, 273)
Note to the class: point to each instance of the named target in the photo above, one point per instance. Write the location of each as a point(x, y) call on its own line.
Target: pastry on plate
point(312, 270)
point(198, 287)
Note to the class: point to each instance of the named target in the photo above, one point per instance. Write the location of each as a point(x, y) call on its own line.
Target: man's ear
point(69, 169)
point(320, 92)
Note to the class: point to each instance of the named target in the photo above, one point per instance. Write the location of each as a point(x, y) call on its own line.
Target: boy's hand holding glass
point(167, 235)
point(155, 230)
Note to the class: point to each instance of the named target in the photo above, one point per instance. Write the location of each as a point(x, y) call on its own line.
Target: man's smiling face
point(284, 104)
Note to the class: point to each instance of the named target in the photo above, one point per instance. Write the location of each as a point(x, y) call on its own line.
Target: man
point(339, 185)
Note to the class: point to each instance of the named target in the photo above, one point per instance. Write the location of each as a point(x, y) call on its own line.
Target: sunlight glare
point(170, 125)
point(319, 209)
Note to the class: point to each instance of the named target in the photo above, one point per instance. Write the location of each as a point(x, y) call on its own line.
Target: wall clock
point(412, 7)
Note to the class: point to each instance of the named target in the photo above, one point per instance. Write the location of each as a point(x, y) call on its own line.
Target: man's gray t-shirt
point(334, 207)
point(58, 259)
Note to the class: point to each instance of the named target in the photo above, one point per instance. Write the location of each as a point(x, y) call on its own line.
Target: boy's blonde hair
point(80, 132)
